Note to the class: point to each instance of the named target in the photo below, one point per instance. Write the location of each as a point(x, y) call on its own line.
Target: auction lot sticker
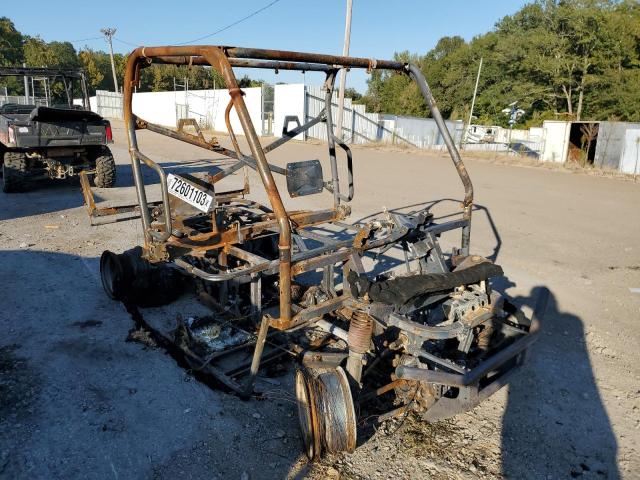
point(187, 192)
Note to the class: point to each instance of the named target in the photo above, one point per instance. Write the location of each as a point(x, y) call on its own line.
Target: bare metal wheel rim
point(338, 413)
point(350, 413)
point(306, 415)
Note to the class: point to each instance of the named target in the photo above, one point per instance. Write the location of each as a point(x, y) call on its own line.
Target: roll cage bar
point(64, 74)
point(223, 59)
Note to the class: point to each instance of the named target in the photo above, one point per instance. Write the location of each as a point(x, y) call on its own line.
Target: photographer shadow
point(555, 424)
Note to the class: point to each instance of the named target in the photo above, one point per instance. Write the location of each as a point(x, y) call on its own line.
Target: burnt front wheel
point(105, 176)
point(325, 411)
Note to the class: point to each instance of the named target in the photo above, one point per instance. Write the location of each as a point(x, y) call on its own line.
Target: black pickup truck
point(58, 141)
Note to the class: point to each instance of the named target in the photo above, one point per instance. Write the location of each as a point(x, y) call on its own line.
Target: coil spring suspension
point(360, 330)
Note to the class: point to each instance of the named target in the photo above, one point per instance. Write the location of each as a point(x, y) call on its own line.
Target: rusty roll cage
point(223, 59)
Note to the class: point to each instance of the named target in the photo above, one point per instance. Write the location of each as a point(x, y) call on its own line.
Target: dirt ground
point(77, 400)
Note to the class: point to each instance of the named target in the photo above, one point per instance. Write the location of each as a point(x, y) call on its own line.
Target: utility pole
point(26, 86)
point(109, 33)
point(473, 102)
point(343, 74)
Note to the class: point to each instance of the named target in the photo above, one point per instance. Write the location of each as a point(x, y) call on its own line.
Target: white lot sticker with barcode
point(187, 192)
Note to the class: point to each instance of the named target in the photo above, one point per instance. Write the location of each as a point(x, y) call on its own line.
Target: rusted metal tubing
point(244, 63)
point(487, 366)
point(222, 277)
point(335, 184)
point(312, 264)
point(430, 376)
point(165, 195)
point(332, 329)
point(283, 55)
point(213, 147)
point(185, 137)
point(276, 65)
point(248, 257)
point(196, 51)
point(180, 60)
point(415, 73)
point(210, 241)
point(173, 51)
point(382, 390)
point(314, 313)
point(131, 78)
point(257, 354)
point(302, 262)
point(232, 135)
point(393, 413)
point(296, 131)
point(218, 60)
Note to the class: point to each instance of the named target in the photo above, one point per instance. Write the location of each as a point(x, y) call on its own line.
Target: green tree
point(10, 43)
point(556, 58)
point(38, 53)
point(88, 59)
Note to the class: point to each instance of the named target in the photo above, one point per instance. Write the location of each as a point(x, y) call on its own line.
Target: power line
point(227, 27)
point(84, 39)
point(125, 42)
point(253, 14)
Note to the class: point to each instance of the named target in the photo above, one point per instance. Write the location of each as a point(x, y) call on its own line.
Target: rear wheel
point(15, 172)
point(105, 176)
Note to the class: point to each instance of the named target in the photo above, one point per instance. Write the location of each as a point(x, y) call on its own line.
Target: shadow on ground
point(555, 424)
point(79, 401)
point(51, 196)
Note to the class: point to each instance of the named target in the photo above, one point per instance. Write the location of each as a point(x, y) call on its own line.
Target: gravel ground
point(77, 400)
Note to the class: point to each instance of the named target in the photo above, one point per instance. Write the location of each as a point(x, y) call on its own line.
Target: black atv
point(58, 141)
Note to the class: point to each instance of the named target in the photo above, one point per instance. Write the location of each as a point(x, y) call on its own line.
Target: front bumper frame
point(476, 385)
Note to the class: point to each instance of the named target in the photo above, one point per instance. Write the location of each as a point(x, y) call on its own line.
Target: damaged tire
point(15, 172)
point(105, 176)
point(133, 280)
point(325, 411)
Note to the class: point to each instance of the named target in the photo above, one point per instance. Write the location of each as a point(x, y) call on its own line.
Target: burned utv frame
point(436, 340)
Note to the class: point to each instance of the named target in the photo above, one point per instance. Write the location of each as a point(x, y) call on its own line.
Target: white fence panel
point(630, 162)
point(166, 108)
point(22, 100)
point(109, 104)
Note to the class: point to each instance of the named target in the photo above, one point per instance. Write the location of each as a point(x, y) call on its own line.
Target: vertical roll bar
point(467, 204)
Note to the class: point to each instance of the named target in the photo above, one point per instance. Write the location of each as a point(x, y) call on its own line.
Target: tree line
point(17, 49)
point(558, 59)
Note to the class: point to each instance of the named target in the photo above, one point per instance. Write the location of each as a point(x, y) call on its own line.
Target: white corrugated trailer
point(617, 144)
point(556, 141)
point(618, 147)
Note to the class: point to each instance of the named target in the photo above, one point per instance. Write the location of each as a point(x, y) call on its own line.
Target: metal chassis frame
point(223, 59)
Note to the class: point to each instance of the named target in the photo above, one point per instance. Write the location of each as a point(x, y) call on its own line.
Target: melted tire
point(132, 280)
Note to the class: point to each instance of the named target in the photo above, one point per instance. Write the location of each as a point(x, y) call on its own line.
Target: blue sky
point(379, 27)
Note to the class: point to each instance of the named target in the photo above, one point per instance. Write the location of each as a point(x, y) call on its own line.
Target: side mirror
point(304, 178)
